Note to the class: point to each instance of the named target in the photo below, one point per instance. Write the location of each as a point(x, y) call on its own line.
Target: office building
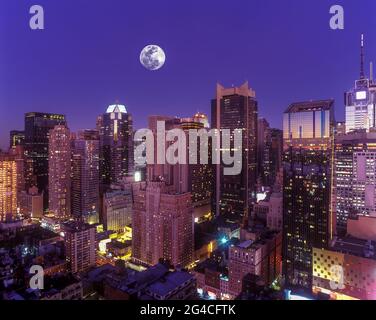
point(307, 212)
point(162, 224)
point(59, 172)
point(354, 172)
point(80, 245)
point(116, 144)
point(37, 131)
point(117, 209)
point(31, 203)
point(263, 154)
point(8, 187)
point(187, 177)
point(236, 108)
point(85, 176)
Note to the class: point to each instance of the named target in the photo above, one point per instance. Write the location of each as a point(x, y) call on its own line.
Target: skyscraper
point(80, 245)
point(37, 130)
point(276, 150)
point(85, 176)
point(269, 152)
point(162, 224)
point(8, 186)
point(116, 144)
point(236, 108)
point(307, 215)
point(188, 177)
point(262, 140)
point(59, 172)
point(157, 170)
point(354, 176)
point(360, 101)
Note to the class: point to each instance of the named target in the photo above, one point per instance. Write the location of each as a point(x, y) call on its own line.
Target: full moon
point(152, 57)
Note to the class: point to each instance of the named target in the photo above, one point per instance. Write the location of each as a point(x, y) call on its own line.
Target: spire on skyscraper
point(362, 75)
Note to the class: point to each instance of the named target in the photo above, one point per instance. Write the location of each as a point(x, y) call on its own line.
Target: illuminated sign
point(137, 176)
point(261, 196)
point(361, 95)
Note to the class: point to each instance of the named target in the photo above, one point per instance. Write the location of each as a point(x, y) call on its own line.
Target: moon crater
point(152, 57)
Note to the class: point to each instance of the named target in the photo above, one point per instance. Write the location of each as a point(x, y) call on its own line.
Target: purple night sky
point(88, 56)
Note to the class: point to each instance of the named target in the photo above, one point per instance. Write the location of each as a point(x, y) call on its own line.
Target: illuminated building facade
point(31, 203)
point(116, 144)
point(354, 176)
point(307, 212)
point(236, 108)
point(8, 187)
point(346, 270)
point(361, 101)
point(18, 153)
point(37, 130)
point(364, 182)
point(117, 209)
point(162, 224)
point(80, 245)
point(85, 176)
point(59, 177)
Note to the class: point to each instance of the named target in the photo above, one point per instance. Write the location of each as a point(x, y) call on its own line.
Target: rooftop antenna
point(362, 75)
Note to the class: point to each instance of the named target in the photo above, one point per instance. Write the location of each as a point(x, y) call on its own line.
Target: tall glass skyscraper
point(85, 176)
point(307, 212)
point(236, 108)
point(116, 144)
point(37, 131)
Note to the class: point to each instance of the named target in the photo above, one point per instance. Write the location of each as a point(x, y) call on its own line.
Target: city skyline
point(98, 76)
point(234, 158)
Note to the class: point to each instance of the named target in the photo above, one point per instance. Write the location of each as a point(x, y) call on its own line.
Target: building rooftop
point(157, 280)
point(100, 272)
point(310, 106)
point(116, 108)
point(169, 283)
point(119, 245)
point(212, 265)
point(74, 226)
point(357, 136)
point(245, 244)
point(355, 246)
